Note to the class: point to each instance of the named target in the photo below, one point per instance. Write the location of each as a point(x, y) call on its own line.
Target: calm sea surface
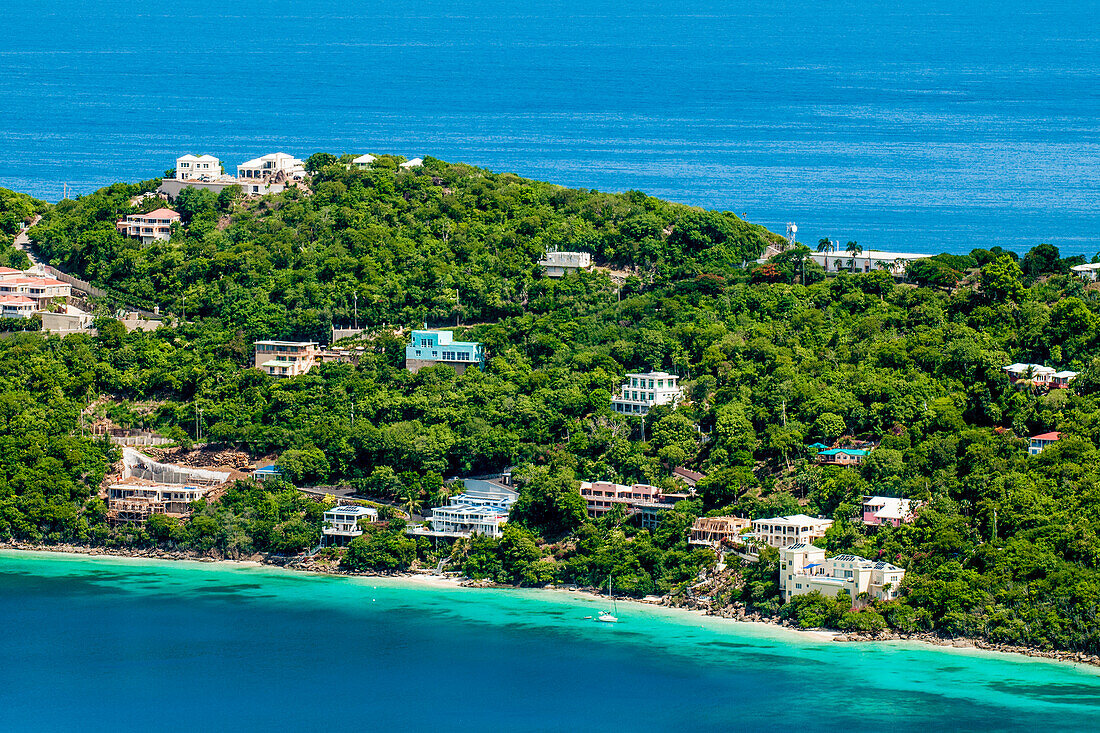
point(103, 644)
point(917, 125)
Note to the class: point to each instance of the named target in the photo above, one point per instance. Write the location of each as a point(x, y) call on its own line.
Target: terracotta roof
point(16, 300)
point(1047, 436)
point(160, 213)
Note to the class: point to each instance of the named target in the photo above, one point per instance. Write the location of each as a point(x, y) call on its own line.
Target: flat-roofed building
point(716, 531)
point(146, 487)
point(151, 227)
point(427, 348)
point(342, 523)
point(804, 569)
point(198, 168)
point(643, 500)
point(557, 264)
point(285, 358)
point(269, 167)
point(643, 390)
point(782, 531)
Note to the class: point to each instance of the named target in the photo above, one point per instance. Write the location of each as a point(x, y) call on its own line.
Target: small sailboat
point(609, 617)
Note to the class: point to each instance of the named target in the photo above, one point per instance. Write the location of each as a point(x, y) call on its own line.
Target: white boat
point(609, 617)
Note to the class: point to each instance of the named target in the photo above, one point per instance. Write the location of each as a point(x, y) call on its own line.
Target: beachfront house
point(643, 500)
point(198, 168)
point(879, 510)
point(151, 227)
point(643, 390)
point(482, 508)
point(342, 524)
point(146, 487)
point(804, 569)
point(842, 456)
point(557, 264)
point(1040, 442)
point(428, 348)
point(716, 531)
point(782, 531)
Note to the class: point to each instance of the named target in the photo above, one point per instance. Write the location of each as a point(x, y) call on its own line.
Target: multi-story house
point(285, 358)
point(482, 508)
point(1039, 443)
point(878, 510)
point(782, 531)
point(428, 348)
point(341, 524)
point(268, 168)
point(40, 290)
point(638, 499)
point(1039, 375)
point(156, 225)
point(716, 531)
point(198, 168)
point(803, 569)
point(642, 391)
point(17, 306)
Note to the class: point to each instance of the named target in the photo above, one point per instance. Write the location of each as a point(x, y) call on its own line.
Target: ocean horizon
point(118, 643)
point(906, 126)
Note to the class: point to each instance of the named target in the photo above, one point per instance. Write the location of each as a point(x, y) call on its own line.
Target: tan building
point(783, 531)
point(803, 569)
point(642, 499)
point(293, 358)
point(715, 531)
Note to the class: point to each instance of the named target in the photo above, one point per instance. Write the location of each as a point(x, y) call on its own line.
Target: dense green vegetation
point(16, 210)
point(774, 357)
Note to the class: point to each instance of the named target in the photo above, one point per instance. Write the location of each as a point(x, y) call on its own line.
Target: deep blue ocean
point(913, 125)
point(105, 644)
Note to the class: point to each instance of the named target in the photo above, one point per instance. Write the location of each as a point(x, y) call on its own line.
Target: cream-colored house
point(198, 168)
point(803, 569)
point(783, 531)
point(268, 167)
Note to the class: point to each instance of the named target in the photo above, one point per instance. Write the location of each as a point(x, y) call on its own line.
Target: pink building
point(643, 499)
point(878, 510)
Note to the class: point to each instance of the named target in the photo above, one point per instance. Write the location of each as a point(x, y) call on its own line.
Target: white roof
point(414, 163)
point(652, 375)
point(1065, 375)
point(367, 158)
point(285, 343)
point(1088, 267)
point(198, 158)
point(1020, 368)
point(796, 519)
point(892, 508)
point(359, 511)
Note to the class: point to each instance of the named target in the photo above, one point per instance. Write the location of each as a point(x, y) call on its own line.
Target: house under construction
point(146, 487)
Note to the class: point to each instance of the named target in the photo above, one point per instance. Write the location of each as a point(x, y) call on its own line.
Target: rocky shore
point(735, 611)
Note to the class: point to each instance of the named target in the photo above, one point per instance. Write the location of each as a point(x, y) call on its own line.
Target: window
point(660, 383)
point(651, 384)
point(418, 352)
point(633, 382)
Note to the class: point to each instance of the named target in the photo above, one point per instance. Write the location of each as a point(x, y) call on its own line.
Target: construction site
point(145, 486)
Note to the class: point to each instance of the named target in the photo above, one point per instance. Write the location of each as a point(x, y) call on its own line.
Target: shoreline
point(734, 614)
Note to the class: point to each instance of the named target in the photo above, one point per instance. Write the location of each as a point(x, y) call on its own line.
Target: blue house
point(267, 473)
point(428, 348)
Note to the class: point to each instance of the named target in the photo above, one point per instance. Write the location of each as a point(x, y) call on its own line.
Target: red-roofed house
point(41, 290)
point(1040, 442)
point(156, 225)
point(16, 306)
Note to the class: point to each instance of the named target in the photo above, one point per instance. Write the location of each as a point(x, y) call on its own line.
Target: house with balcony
point(271, 166)
point(17, 306)
point(842, 456)
point(1039, 375)
point(558, 264)
point(782, 531)
point(39, 290)
point(151, 227)
point(285, 358)
point(804, 569)
point(879, 510)
point(428, 348)
point(718, 531)
point(198, 168)
point(642, 391)
point(646, 502)
point(482, 508)
point(1039, 443)
point(342, 524)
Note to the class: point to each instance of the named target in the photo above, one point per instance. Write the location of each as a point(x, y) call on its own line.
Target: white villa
point(363, 162)
point(1089, 271)
point(804, 569)
point(198, 168)
point(557, 264)
point(342, 524)
point(482, 508)
point(866, 261)
point(644, 390)
point(268, 167)
point(783, 531)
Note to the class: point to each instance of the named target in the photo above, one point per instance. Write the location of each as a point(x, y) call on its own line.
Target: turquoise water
point(919, 125)
point(110, 644)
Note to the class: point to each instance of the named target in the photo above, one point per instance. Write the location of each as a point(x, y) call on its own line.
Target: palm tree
point(826, 246)
point(410, 499)
point(854, 250)
point(901, 264)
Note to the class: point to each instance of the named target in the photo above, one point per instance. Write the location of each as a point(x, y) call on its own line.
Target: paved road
point(23, 242)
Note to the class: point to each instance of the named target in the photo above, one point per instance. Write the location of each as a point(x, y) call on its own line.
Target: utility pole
point(458, 308)
point(355, 300)
point(198, 418)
